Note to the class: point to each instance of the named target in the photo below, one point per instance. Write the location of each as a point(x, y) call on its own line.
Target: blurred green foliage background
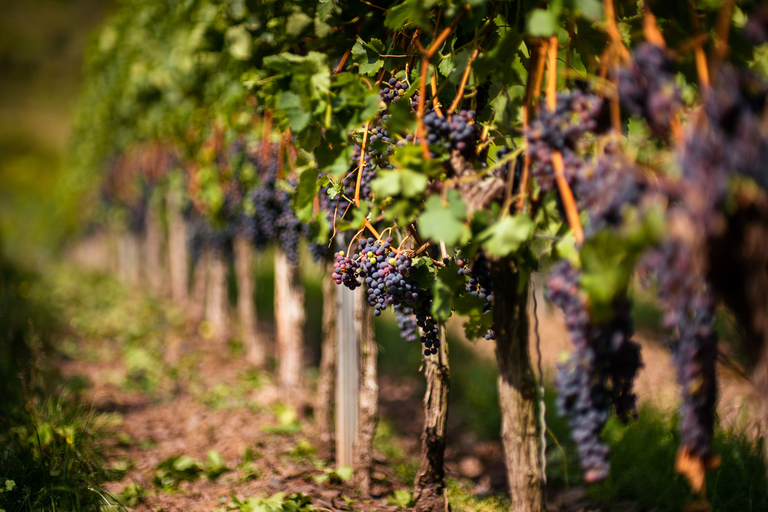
point(41, 63)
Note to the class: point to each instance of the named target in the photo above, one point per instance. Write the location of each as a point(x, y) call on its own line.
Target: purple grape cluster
point(734, 139)
point(273, 218)
point(607, 188)
point(647, 88)
point(204, 235)
point(454, 131)
point(756, 28)
point(689, 309)
point(393, 90)
point(599, 374)
point(577, 112)
point(387, 276)
point(478, 284)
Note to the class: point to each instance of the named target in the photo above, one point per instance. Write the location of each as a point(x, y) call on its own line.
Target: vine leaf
point(542, 23)
point(367, 55)
point(401, 182)
point(305, 194)
point(415, 12)
point(506, 236)
point(445, 222)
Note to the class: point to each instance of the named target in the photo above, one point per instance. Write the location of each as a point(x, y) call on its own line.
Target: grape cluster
point(607, 188)
point(690, 309)
point(273, 218)
point(577, 112)
point(454, 131)
point(387, 276)
point(735, 107)
point(393, 90)
point(599, 374)
point(204, 235)
point(647, 87)
point(478, 284)
point(369, 174)
point(756, 28)
point(396, 88)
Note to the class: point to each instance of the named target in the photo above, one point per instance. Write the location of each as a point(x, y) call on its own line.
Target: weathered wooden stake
point(325, 385)
point(429, 488)
point(152, 248)
point(517, 388)
point(216, 306)
point(255, 352)
point(130, 269)
point(348, 378)
point(289, 320)
point(196, 307)
point(178, 249)
point(368, 414)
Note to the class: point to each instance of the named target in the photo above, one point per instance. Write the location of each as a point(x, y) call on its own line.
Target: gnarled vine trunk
point(178, 254)
point(368, 401)
point(255, 352)
point(738, 270)
point(517, 388)
point(429, 487)
point(324, 409)
point(289, 319)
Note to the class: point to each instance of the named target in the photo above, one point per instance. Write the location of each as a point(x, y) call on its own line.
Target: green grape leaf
point(306, 191)
point(441, 223)
point(414, 12)
point(542, 23)
point(367, 56)
point(506, 236)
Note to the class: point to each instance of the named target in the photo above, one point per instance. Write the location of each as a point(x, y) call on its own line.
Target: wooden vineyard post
point(368, 401)
point(178, 255)
point(255, 352)
point(130, 262)
point(289, 320)
point(347, 380)
point(429, 487)
point(152, 245)
point(325, 386)
point(216, 307)
point(196, 307)
point(517, 388)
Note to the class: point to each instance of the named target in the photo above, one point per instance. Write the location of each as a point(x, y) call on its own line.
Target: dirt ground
point(208, 407)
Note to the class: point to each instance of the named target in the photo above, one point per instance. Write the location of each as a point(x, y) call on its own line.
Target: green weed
point(182, 468)
point(297, 502)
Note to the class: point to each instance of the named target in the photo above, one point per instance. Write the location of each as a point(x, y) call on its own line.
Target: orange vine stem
point(698, 50)
point(420, 110)
point(552, 73)
point(361, 165)
point(464, 78)
point(372, 229)
point(343, 61)
point(651, 28)
point(532, 91)
point(569, 203)
point(266, 131)
point(613, 29)
point(723, 27)
point(427, 55)
point(435, 100)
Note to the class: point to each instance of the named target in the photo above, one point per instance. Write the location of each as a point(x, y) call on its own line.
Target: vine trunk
point(517, 388)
